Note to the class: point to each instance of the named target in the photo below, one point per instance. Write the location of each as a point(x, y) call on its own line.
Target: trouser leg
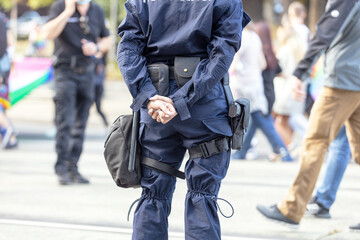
point(337, 162)
point(329, 113)
point(204, 177)
point(84, 100)
point(65, 100)
point(160, 142)
point(353, 130)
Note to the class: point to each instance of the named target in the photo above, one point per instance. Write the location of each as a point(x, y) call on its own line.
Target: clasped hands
point(161, 109)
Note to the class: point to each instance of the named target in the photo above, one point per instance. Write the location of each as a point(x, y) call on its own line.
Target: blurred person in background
point(297, 14)
point(246, 81)
point(290, 51)
point(338, 34)
point(78, 28)
point(37, 43)
point(7, 133)
point(100, 73)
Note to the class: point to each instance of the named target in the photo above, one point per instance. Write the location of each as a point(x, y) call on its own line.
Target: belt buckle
point(206, 151)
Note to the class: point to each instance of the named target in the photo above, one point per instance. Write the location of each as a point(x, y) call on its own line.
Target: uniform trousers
point(168, 143)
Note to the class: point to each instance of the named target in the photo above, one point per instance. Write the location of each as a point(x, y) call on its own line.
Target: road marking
point(95, 228)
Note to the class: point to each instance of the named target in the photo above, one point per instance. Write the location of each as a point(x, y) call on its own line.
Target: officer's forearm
point(104, 44)
point(54, 28)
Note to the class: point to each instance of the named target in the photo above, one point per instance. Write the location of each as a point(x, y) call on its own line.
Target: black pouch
point(159, 75)
point(239, 113)
point(184, 68)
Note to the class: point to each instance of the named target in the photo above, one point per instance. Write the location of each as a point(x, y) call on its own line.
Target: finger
point(151, 111)
point(167, 108)
point(155, 115)
point(162, 98)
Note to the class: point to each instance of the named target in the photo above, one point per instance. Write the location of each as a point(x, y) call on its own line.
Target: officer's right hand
point(70, 6)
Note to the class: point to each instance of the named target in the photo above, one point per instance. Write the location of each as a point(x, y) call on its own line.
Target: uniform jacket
point(157, 31)
point(338, 34)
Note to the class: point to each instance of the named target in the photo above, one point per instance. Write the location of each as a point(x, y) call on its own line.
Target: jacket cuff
point(182, 108)
point(303, 76)
point(142, 99)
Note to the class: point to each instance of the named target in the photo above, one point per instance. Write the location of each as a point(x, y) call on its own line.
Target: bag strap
point(162, 167)
point(207, 149)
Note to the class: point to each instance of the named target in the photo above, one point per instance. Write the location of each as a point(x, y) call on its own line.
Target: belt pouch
point(159, 75)
point(184, 68)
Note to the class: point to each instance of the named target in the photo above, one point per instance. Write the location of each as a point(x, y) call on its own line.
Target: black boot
point(76, 177)
point(64, 178)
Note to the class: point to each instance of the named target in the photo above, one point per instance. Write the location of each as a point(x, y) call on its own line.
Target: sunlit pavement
point(34, 207)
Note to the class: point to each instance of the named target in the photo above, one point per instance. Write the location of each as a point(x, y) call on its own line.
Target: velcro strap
point(162, 167)
point(210, 148)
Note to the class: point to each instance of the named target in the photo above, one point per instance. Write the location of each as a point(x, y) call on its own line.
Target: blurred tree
point(35, 4)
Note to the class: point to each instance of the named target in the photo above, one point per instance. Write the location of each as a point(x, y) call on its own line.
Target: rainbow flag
point(26, 75)
point(317, 78)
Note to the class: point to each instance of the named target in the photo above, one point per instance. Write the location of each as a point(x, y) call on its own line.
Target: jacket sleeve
point(131, 59)
point(225, 42)
point(329, 26)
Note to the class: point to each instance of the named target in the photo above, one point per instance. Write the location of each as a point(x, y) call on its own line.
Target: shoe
point(64, 178)
point(316, 209)
point(7, 141)
point(274, 214)
point(76, 177)
point(355, 227)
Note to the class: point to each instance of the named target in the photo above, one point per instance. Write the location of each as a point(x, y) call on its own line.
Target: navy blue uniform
point(157, 31)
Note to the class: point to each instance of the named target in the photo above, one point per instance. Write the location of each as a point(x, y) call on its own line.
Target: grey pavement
point(34, 207)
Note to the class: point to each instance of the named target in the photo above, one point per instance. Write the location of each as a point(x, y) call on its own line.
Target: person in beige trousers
point(338, 34)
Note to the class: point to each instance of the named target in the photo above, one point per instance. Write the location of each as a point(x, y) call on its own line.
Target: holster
point(239, 113)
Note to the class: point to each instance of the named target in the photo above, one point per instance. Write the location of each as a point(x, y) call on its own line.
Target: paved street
point(34, 207)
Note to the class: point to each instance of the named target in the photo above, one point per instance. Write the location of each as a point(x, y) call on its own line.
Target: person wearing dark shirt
point(192, 115)
point(78, 28)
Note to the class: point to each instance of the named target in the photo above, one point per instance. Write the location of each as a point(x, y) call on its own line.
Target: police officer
point(191, 116)
point(80, 34)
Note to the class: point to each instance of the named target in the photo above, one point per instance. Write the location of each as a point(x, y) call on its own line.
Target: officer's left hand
point(88, 48)
point(161, 108)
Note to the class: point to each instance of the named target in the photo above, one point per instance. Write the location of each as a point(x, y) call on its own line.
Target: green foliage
point(6, 4)
point(35, 4)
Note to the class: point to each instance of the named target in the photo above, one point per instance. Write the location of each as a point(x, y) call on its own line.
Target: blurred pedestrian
point(37, 43)
point(99, 86)
point(7, 133)
point(246, 81)
point(290, 51)
point(173, 55)
point(272, 65)
point(338, 32)
point(78, 28)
